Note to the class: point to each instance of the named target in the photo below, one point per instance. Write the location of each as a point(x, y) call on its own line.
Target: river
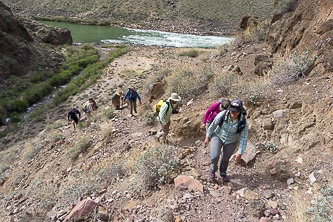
point(106, 34)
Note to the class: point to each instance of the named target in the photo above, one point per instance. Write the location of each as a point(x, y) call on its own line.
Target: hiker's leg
point(134, 104)
point(215, 150)
point(228, 150)
point(131, 106)
point(164, 130)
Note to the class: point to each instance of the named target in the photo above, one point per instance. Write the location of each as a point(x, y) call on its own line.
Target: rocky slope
point(291, 137)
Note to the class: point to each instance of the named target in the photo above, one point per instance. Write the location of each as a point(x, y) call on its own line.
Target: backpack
point(84, 107)
point(224, 103)
point(158, 106)
point(241, 121)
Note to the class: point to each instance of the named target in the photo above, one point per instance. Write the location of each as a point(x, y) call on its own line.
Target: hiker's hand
point(203, 126)
point(207, 141)
point(140, 102)
point(238, 157)
point(166, 126)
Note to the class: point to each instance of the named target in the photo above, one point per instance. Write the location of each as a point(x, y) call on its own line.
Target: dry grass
point(300, 204)
point(106, 129)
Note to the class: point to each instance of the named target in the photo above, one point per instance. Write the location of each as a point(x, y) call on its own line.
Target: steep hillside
point(179, 15)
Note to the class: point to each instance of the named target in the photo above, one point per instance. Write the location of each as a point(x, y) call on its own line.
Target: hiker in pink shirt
point(213, 110)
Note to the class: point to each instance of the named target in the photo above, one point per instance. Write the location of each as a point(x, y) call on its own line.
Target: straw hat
point(175, 97)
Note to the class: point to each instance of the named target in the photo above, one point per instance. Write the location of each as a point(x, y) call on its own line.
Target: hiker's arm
point(69, 113)
point(214, 124)
point(138, 97)
point(243, 139)
point(211, 109)
point(163, 113)
point(78, 113)
point(125, 96)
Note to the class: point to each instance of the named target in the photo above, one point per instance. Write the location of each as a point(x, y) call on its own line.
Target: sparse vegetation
point(154, 165)
point(250, 93)
point(284, 6)
point(106, 129)
point(191, 53)
point(30, 151)
point(271, 147)
point(222, 84)
point(80, 147)
point(149, 118)
point(109, 113)
point(112, 171)
point(287, 71)
point(322, 209)
point(188, 83)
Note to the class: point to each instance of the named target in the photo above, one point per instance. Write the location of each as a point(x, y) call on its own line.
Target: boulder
point(186, 182)
point(83, 208)
point(156, 90)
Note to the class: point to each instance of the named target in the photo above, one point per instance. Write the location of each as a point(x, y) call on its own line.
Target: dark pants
point(76, 120)
point(216, 145)
point(132, 105)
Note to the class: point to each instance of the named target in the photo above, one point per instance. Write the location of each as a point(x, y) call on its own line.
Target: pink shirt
point(212, 112)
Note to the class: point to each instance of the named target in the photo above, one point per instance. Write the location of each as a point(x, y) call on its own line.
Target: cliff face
point(18, 40)
point(14, 54)
point(308, 28)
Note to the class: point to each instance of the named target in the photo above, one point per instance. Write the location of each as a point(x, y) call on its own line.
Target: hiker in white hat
point(165, 114)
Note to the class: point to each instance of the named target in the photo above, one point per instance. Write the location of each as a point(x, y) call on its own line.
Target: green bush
point(18, 106)
point(289, 70)
point(322, 209)
point(222, 84)
point(192, 53)
point(154, 165)
point(56, 137)
point(14, 117)
point(109, 113)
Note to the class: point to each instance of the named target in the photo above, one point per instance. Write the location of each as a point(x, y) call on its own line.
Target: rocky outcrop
point(308, 28)
point(18, 37)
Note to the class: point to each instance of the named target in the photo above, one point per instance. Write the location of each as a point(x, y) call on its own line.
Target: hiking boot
point(225, 179)
point(157, 138)
point(211, 175)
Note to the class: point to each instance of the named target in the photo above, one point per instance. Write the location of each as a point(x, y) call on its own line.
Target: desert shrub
point(322, 208)
point(57, 125)
point(3, 168)
point(30, 151)
point(45, 194)
point(78, 189)
point(80, 125)
point(18, 178)
point(14, 117)
point(289, 70)
point(257, 33)
point(154, 165)
point(56, 137)
point(188, 83)
point(112, 171)
point(270, 146)
point(80, 147)
point(149, 118)
point(223, 83)
point(249, 93)
point(109, 113)
point(284, 6)
point(192, 53)
point(106, 129)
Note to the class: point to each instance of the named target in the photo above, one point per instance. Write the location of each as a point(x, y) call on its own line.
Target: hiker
point(164, 114)
point(226, 130)
point(115, 99)
point(88, 107)
point(213, 110)
point(132, 95)
point(73, 117)
point(94, 105)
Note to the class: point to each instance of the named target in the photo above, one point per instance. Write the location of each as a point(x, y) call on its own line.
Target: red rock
point(83, 208)
point(185, 182)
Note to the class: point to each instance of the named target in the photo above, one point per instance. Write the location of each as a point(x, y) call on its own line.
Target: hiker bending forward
point(213, 110)
point(165, 114)
point(226, 130)
point(131, 95)
point(72, 117)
